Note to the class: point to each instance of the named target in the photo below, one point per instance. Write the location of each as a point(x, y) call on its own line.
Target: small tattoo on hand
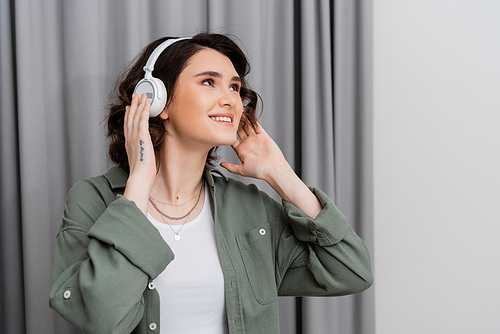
point(142, 150)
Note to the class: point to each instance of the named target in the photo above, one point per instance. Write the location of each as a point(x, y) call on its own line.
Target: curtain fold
point(12, 305)
point(310, 63)
point(336, 78)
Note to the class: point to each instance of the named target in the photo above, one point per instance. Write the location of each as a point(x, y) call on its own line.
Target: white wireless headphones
point(154, 87)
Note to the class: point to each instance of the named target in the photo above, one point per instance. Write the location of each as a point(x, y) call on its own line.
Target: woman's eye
point(235, 87)
point(208, 82)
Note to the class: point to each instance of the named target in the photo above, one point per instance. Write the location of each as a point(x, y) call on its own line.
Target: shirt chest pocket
point(255, 248)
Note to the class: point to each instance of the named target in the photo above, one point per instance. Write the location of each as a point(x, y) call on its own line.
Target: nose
point(229, 98)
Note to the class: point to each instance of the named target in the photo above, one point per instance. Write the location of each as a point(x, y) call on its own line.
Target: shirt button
point(152, 326)
point(262, 231)
point(151, 286)
point(67, 294)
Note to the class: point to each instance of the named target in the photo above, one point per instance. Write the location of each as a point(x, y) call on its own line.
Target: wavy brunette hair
point(168, 67)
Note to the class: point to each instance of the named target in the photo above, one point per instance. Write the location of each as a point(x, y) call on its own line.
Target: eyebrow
point(216, 75)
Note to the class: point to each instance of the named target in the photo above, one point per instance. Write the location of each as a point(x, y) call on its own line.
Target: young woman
point(164, 243)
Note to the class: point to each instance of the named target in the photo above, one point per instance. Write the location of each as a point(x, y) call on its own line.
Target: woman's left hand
point(260, 156)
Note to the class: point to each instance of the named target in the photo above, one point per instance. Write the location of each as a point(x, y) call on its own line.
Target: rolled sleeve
point(329, 227)
point(324, 257)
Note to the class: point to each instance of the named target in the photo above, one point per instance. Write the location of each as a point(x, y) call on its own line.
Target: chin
point(227, 141)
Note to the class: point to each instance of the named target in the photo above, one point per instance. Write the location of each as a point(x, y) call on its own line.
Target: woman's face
point(206, 108)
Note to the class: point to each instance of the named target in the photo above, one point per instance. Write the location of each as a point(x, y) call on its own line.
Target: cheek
point(192, 110)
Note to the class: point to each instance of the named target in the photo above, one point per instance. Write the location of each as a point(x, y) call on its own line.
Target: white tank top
point(191, 288)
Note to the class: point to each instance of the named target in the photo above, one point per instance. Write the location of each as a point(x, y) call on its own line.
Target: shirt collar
point(116, 177)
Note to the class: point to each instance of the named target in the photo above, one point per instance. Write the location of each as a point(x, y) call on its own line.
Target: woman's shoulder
point(90, 197)
point(97, 189)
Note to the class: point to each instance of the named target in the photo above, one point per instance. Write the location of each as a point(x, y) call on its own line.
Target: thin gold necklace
point(177, 236)
point(173, 204)
point(172, 217)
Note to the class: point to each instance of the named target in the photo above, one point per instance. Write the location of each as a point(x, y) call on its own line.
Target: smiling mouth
point(222, 119)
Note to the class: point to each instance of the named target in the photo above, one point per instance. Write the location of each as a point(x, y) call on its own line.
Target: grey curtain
point(311, 62)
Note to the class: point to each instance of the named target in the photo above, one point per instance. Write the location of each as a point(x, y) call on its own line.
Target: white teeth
point(222, 119)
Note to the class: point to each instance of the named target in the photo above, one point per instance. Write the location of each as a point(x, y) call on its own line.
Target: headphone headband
point(150, 64)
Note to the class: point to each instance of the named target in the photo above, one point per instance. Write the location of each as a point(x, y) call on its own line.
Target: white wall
point(437, 166)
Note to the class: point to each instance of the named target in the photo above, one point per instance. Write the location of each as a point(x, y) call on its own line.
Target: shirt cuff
point(329, 227)
point(125, 227)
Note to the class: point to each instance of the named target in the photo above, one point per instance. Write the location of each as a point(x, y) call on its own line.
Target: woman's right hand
point(140, 152)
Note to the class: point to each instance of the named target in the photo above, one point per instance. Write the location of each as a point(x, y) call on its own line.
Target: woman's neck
point(180, 173)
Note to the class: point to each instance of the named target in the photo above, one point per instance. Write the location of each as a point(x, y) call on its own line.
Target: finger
point(132, 112)
point(249, 129)
point(144, 118)
point(235, 169)
point(260, 129)
point(236, 144)
point(242, 134)
point(134, 104)
point(136, 127)
point(241, 131)
point(244, 128)
point(125, 121)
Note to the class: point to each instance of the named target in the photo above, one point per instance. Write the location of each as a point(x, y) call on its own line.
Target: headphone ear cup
point(155, 91)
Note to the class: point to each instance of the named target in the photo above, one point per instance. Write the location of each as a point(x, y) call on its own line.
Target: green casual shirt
point(107, 252)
